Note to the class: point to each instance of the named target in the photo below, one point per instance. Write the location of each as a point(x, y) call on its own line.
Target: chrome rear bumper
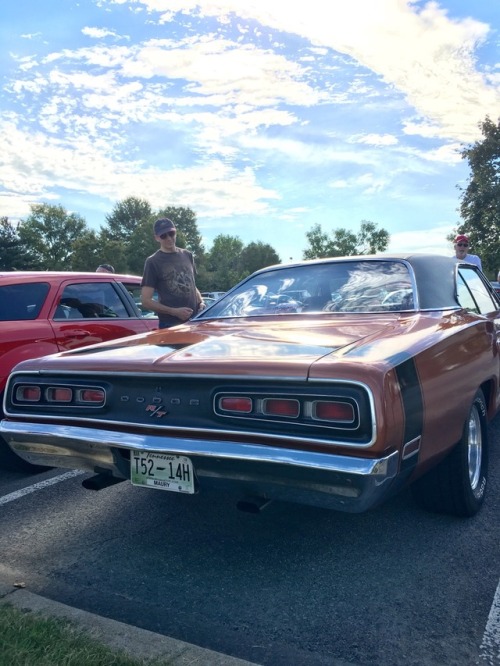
point(333, 481)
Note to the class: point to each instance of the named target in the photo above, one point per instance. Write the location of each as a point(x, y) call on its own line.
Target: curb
point(137, 643)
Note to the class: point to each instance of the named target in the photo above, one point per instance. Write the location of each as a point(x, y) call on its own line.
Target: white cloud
point(370, 100)
point(100, 33)
point(376, 139)
point(418, 49)
point(32, 162)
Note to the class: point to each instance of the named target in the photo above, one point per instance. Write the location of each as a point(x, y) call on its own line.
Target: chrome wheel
point(474, 447)
point(457, 485)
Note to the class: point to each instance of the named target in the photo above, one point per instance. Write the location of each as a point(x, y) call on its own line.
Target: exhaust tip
point(253, 504)
point(100, 481)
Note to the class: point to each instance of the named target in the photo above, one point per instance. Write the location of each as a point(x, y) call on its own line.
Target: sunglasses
point(167, 233)
point(463, 244)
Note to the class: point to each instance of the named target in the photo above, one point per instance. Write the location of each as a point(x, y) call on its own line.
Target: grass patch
point(31, 639)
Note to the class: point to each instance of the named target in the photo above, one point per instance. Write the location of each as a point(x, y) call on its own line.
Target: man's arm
point(200, 301)
point(149, 303)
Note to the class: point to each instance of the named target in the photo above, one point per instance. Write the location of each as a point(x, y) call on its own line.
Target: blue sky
point(265, 117)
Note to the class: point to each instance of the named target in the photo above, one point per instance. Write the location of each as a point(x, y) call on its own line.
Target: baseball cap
point(461, 239)
point(162, 225)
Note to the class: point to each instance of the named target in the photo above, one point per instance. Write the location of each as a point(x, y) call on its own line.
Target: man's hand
point(182, 313)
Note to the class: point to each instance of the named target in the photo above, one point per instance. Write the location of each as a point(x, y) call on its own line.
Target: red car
point(383, 375)
point(46, 312)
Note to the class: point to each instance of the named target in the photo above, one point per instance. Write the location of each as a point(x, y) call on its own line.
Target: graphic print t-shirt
point(172, 274)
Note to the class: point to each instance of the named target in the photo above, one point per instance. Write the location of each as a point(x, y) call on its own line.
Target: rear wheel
point(457, 485)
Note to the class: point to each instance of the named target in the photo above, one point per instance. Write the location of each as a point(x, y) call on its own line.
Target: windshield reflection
point(345, 286)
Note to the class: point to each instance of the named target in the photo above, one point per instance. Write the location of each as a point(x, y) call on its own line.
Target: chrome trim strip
point(411, 448)
point(164, 430)
point(335, 481)
point(166, 375)
point(186, 446)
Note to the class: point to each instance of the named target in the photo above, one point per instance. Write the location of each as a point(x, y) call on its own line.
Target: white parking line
point(38, 486)
point(489, 652)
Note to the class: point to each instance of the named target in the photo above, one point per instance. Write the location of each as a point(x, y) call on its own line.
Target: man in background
point(105, 268)
point(171, 272)
point(461, 245)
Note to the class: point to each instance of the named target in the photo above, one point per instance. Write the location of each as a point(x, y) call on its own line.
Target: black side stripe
point(413, 406)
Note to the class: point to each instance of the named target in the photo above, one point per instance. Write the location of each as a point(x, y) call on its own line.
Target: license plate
point(162, 471)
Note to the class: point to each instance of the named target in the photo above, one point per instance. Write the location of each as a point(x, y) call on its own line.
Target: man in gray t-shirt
point(171, 272)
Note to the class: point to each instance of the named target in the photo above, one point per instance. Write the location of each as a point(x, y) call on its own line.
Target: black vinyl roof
point(434, 274)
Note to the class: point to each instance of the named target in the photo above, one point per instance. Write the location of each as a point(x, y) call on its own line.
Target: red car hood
point(254, 348)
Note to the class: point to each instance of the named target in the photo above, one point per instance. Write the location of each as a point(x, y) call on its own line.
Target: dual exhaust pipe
point(249, 504)
point(253, 504)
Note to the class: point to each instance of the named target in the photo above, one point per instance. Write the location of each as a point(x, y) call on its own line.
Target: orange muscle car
point(332, 382)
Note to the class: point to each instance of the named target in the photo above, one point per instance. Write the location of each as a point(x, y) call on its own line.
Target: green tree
point(85, 252)
point(344, 243)
point(223, 262)
point(14, 255)
point(93, 249)
point(50, 231)
point(141, 245)
point(257, 255)
point(371, 239)
point(125, 217)
point(480, 200)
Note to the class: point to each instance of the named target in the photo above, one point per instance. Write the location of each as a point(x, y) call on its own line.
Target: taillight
point(28, 393)
point(241, 405)
point(306, 409)
point(281, 407)
point(92, 396)
point(333, 411)
point(59, 394)
point(63, 395)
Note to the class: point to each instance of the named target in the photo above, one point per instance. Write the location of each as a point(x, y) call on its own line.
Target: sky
point(265, 117)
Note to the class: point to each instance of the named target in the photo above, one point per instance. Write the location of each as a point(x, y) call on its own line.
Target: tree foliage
point(125, 217)
point(480, 200)
point(52, 238)
point(142, 244)
point(49, 232)
point(14, 254)
point(223, 261)
point(257, 255)
point(86, 252)
point(93, 249)
point(344, 243)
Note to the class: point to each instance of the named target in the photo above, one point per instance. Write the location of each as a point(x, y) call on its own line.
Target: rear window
point(341, 286)
point(19, 302)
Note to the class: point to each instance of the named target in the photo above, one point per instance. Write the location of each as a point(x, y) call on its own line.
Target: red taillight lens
point(281, 407)
point(59, 394)
point(28, 393)
point(242, 405)
point(333, 411)
point(94, 396)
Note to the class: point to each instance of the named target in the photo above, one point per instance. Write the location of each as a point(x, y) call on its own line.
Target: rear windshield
point(346, 286)
point(19, 302)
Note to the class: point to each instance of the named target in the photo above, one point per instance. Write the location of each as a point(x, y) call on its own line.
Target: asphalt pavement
point(138, 643)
